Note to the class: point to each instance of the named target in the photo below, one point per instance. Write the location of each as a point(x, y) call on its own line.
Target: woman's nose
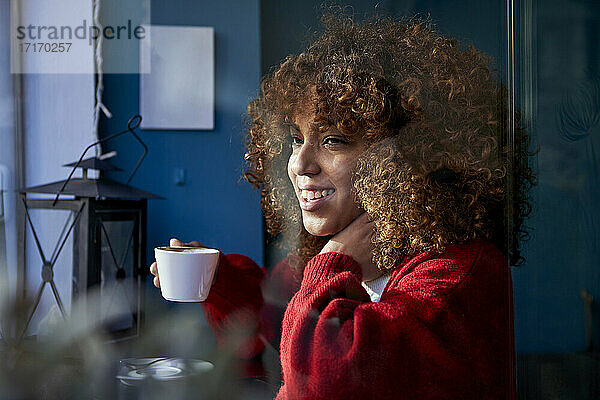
point(305, 161)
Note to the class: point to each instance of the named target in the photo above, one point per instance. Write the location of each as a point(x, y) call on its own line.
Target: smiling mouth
point(312, 200)
point(311, 195)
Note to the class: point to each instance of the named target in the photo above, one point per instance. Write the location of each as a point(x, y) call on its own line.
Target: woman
point(395, 202)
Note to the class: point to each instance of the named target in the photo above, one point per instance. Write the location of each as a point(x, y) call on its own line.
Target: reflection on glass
point(417, 138)
point(556, 318)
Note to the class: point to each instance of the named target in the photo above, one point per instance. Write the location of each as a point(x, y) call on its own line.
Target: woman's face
point(320, 170)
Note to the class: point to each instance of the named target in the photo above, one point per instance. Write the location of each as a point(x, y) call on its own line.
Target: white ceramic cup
point(186, 273)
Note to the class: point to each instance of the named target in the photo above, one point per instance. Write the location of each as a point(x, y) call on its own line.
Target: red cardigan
point(442, 329)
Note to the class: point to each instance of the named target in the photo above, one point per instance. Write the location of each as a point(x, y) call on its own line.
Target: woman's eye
point(334, 141)
point(296, 141)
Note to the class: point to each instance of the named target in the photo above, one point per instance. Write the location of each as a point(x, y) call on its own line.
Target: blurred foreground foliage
point(75, 358)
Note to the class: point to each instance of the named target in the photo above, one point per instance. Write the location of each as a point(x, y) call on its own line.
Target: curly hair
point(438, 169)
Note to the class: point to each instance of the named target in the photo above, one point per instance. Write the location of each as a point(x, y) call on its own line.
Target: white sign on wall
point(178, 92)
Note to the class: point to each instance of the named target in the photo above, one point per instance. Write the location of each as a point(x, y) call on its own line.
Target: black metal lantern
point(108, 225)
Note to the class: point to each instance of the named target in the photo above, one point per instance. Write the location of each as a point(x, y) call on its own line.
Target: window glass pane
point(449, 152)
point(558, 82)
point(51, 227)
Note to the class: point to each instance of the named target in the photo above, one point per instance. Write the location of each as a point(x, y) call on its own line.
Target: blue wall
point(215, 206)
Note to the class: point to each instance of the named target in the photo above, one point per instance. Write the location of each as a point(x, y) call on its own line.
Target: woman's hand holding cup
point(173, 243)
point(189, 271)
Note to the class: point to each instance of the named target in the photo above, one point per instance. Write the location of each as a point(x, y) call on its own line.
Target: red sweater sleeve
point(235, 296)
point(246, 305)
point(440, 331)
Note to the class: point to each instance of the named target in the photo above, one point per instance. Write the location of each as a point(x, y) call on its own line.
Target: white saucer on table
point(134, 370)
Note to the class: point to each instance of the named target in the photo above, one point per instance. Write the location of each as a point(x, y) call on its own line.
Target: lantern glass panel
point(56, 242)
point(118, 281)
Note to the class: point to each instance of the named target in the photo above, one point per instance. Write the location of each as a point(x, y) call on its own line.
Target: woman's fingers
point(178, 243)
point(195, 243)
point(364, 219)
point(359, 228)
point(355, 241)
point(172, 243)
point(175, 243)
point(154, 271)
